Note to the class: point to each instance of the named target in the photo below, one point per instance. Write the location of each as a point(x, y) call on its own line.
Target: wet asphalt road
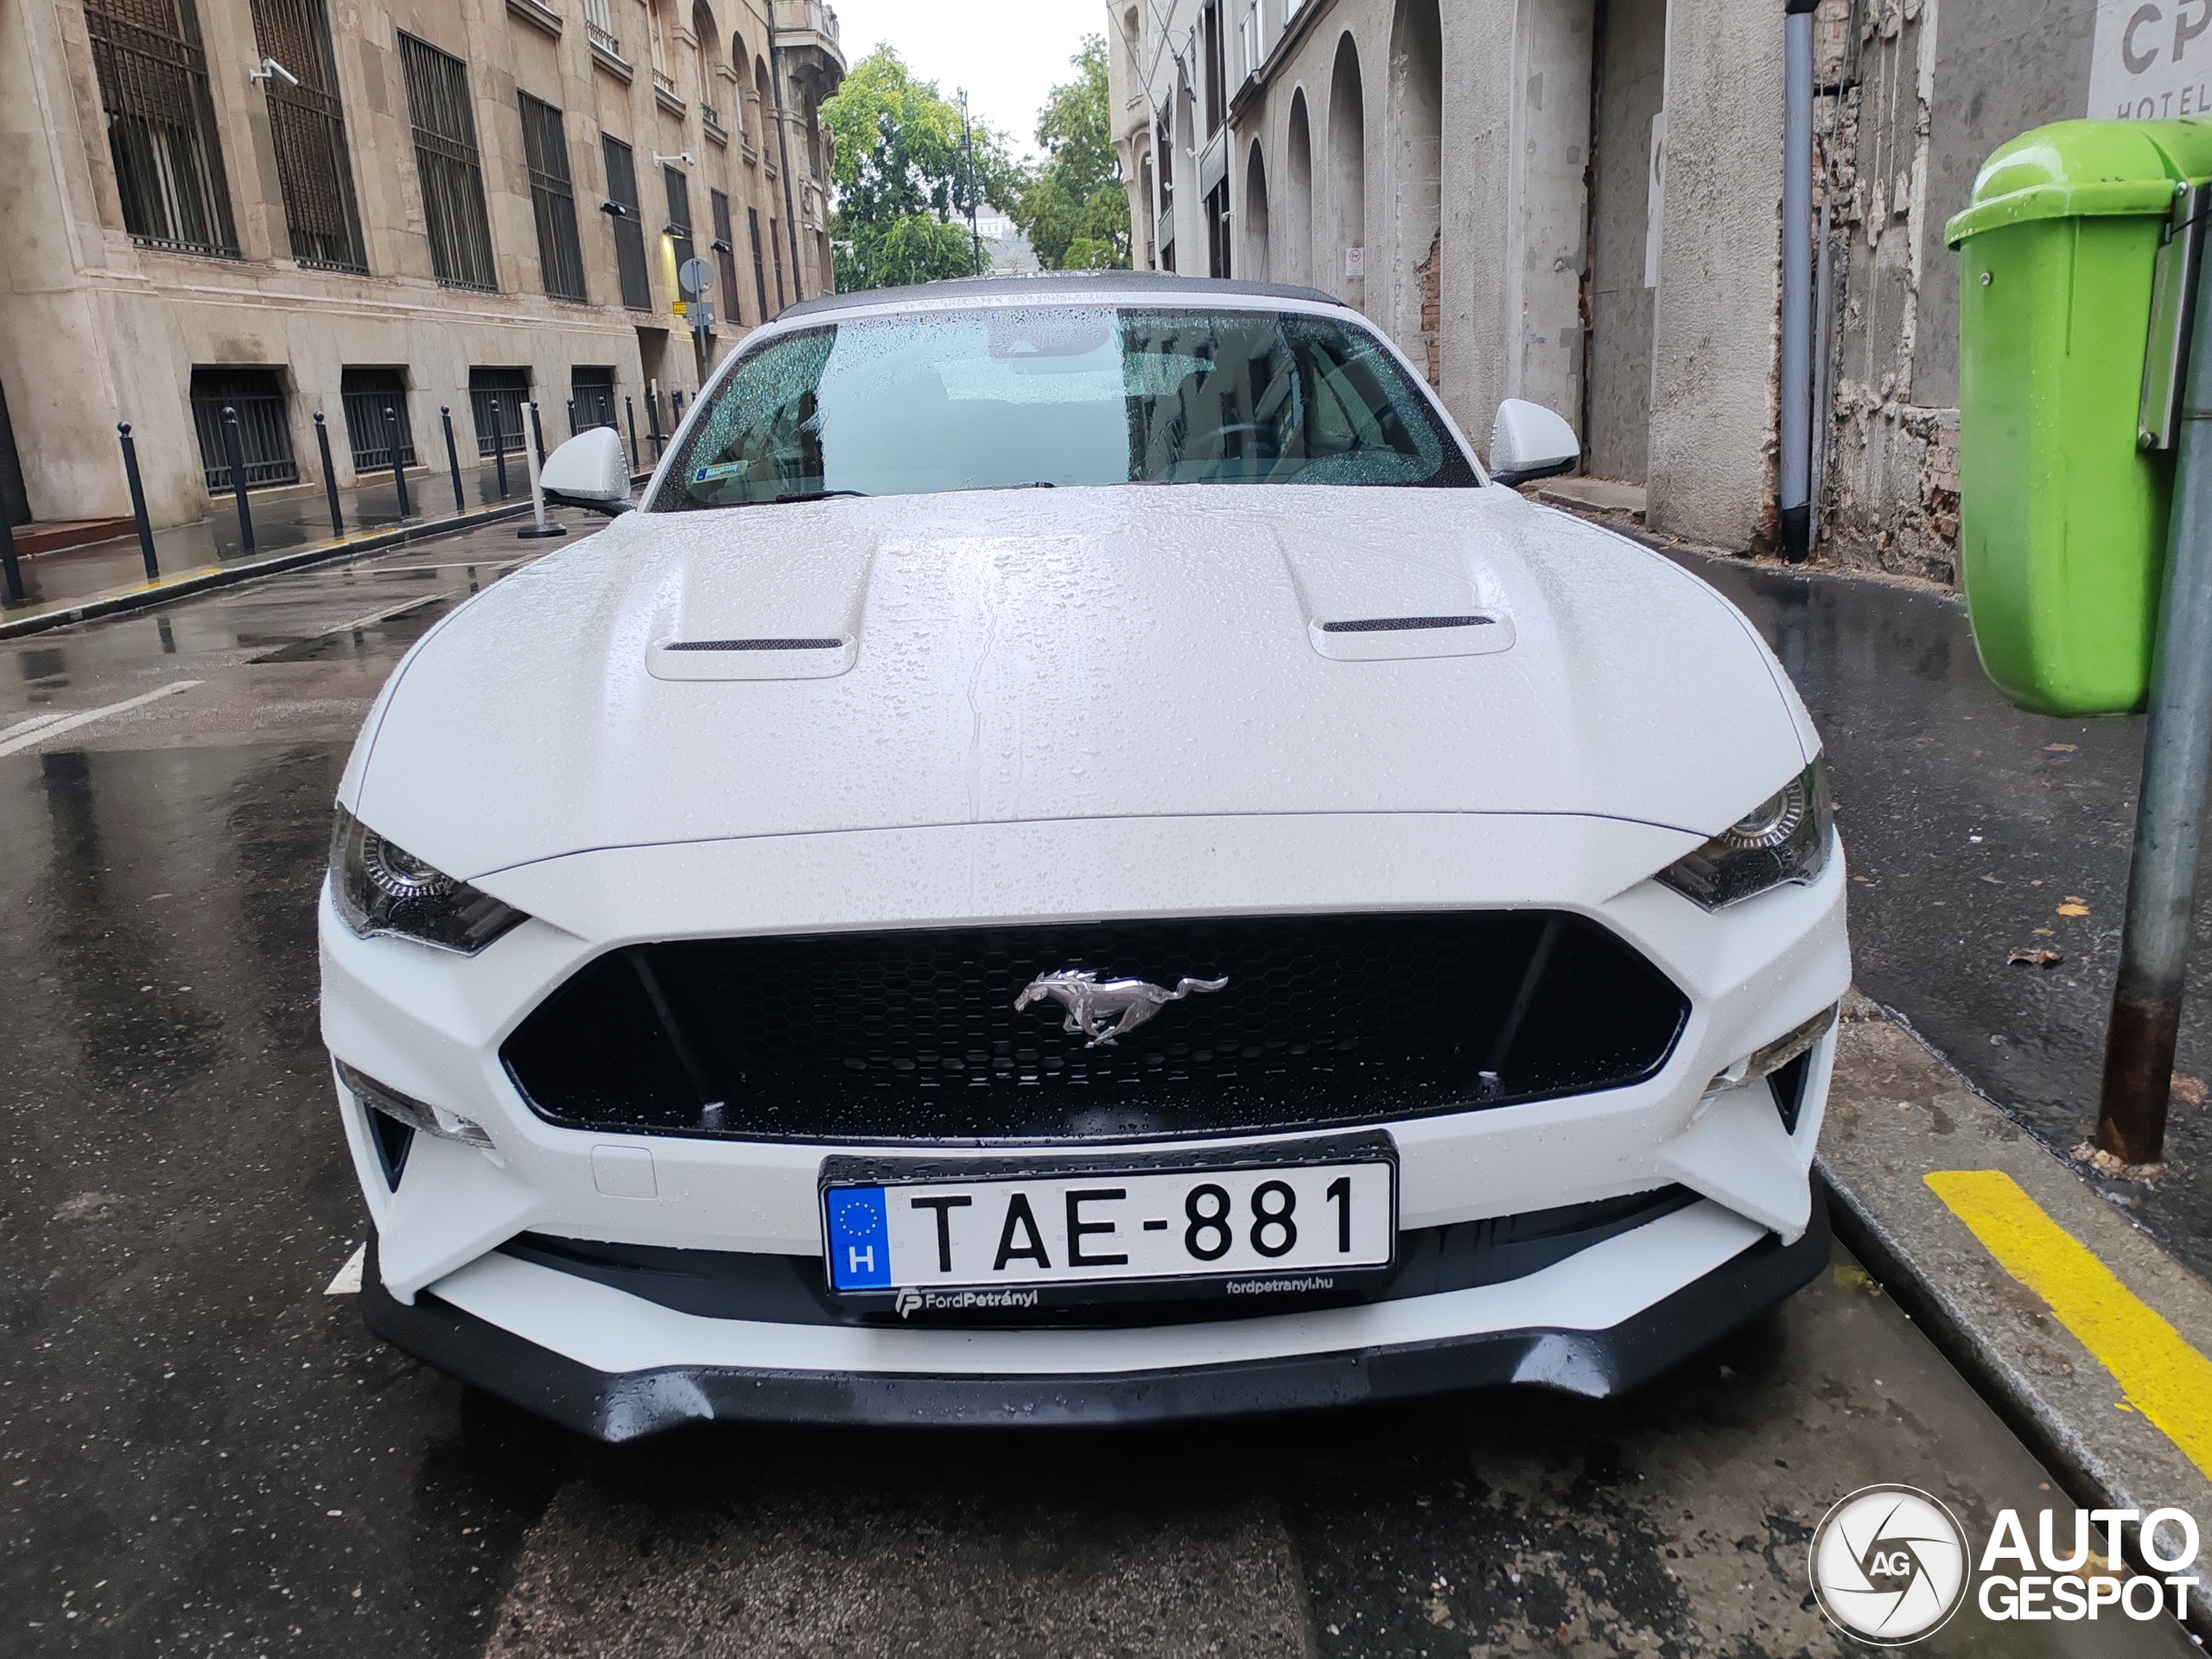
point(201, 1452)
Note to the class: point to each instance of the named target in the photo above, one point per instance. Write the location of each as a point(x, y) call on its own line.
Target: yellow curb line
point(2163, 1377)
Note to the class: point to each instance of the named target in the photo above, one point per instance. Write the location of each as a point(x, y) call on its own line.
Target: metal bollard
point(630, 409)
point(235, 452)
point(675, 409)
point(329, 474)
point(452, 459)
point(398, 460)
point(138, 502)
point(572, 418)
point(653, 420)
point(11, 574)
point(499, 446)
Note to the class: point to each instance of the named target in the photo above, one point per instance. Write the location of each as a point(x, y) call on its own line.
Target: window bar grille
point(629, 232)
point(495, 399)
point(726, 258)
point(265, 435)
point(366, 393)
point(448, 163)
point(552, 200)
point(161, 125)
point(307, 123)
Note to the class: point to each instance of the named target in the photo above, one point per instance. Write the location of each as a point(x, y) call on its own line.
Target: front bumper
point(627, 1404)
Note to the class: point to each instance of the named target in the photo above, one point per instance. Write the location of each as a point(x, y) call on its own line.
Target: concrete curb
point(146, 595)
point(1896, 1113)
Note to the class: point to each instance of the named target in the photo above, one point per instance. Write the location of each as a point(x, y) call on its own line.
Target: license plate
point(1008, 1237)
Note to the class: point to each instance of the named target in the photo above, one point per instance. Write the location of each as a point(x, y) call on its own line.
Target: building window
point(703, 25)
point(161, 125)
point(724, 255)
point(553, 200)
point(446, 161)
point(591, 397)
point(679, 221)
point(264, 434)
point(599, 23)
point(629, 232)
point(496, 397)
point(759, 265)
point(366, 394)
point(307, 123)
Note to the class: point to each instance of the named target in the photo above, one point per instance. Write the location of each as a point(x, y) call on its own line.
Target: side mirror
point(1529, 441)
point(589, 471)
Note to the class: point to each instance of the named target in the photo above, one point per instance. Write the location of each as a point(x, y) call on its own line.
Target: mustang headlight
point(1783, 839)
point(381, 889)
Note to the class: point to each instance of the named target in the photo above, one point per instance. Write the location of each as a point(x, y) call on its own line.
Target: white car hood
point(1075, 653)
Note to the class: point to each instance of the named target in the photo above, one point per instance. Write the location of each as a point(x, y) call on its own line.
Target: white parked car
point(1079, 859)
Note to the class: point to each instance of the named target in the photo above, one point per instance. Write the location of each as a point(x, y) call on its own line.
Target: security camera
point(270, 66)
point(685, 156)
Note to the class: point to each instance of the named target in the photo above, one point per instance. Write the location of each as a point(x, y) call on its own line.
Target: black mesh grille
point(913, 1036)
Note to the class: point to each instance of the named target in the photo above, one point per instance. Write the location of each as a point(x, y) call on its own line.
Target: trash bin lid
point(2084, 170)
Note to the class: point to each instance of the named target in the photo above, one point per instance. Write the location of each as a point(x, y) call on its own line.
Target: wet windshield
point(1061, 395)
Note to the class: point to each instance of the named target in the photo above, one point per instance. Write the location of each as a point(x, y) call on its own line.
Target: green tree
point(1074, 209)
point(903, 181)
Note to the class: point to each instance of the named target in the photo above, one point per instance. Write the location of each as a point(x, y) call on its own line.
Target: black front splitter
point(623, 1406)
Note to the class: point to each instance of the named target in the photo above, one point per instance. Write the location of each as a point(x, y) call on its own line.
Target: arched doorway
point(1416, 125)
point(1298, 169)
point(1257, 266)
point(1345, 272)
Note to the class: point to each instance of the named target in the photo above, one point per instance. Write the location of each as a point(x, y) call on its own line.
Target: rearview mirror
point(1529, 441)
point(589, 471)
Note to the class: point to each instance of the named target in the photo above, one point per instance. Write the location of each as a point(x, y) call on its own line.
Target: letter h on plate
point(859, 1246)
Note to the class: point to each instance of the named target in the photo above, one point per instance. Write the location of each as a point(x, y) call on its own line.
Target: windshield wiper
point(813, 495)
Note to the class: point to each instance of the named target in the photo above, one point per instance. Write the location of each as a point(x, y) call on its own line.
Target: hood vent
point(1406, 624)
point(754, 644)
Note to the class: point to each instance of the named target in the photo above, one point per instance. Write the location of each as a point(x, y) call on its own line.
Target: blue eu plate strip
point(860, 1244)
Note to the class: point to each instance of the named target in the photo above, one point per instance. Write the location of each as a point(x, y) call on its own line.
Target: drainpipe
point(1796, 432)
point(784, 153)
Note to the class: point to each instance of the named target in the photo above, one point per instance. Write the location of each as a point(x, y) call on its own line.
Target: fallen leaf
point(2074, 910)
point(2187, 1090)
point(2060, 748)
point(2029, 957)
point(2045, 933)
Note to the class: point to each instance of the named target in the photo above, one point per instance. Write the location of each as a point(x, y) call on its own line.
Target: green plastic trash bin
point(2062, 514)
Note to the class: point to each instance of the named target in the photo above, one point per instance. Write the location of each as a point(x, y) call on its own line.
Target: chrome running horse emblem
point(1129, 1002)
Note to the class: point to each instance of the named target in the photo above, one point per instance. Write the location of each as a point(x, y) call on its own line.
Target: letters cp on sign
point(2153, 61)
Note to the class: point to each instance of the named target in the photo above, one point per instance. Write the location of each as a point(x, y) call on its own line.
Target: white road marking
point(55, 728)
point(348, 1282)
point(25, 725)
point(375, 617)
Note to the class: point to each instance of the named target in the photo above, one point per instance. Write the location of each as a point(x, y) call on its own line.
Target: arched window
point(1256, 262)
point(739, 57)
point(1297, 232)
point(1416, 201)
point(764, 107)
point(1346, 273)
point(709, 53)
point(657, 35)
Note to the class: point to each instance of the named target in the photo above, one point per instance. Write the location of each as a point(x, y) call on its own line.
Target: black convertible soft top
point(1053, 287)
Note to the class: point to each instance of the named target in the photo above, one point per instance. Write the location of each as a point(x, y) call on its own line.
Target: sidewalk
point(291, 528)
point(2088, 1337)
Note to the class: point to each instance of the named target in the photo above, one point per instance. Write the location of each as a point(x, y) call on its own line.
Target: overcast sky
point(1009, 54)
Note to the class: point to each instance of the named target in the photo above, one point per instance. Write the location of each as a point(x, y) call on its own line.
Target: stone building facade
point(1578, 202)
point(291, 206)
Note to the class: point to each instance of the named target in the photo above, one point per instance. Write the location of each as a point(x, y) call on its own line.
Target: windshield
point(1061, 395)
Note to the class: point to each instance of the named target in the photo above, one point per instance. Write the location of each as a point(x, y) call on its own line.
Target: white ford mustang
point(1078, 860)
